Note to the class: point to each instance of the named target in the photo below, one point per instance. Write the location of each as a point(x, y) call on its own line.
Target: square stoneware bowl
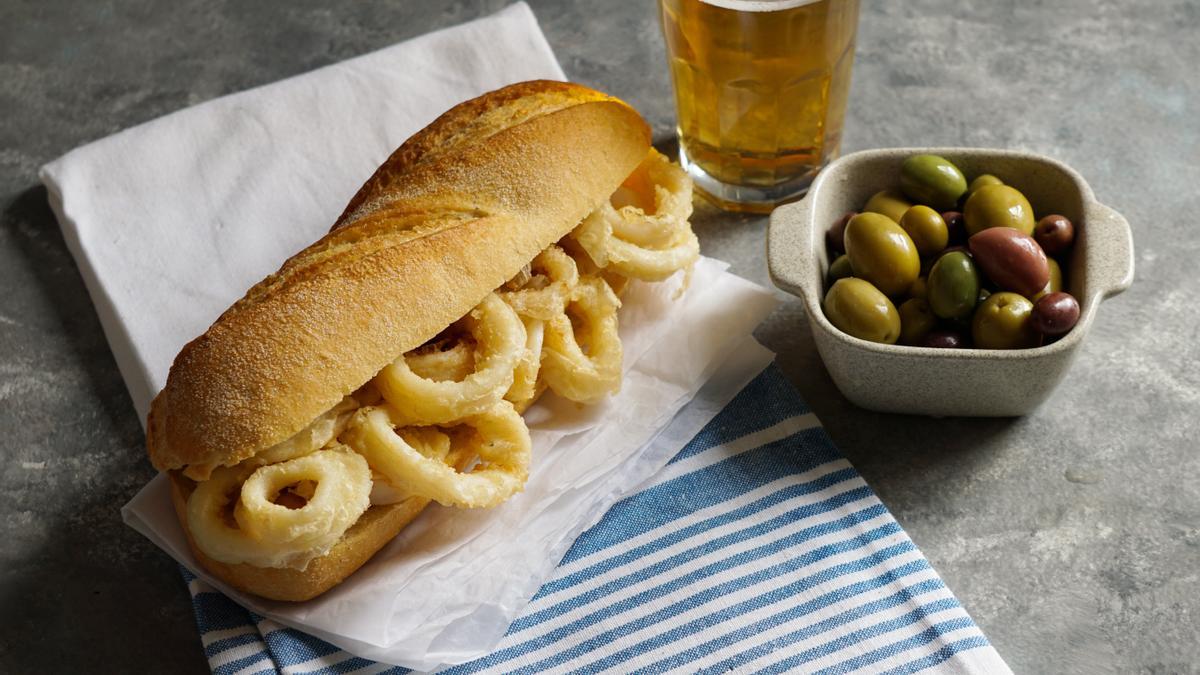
point(944, 382)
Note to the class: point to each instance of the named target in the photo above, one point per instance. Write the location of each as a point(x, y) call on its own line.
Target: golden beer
point(760, 90)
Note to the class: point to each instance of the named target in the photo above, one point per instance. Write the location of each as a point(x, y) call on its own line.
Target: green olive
point(998, 206)
point(888, 202)
point(926, 228)
point(1003, 322)
point(840, 268)
point(953, 286)
point(983, 180)
point(1056, 282)
point(916, 321)
point(882, 253)
point(857, 308)
point(932, 180)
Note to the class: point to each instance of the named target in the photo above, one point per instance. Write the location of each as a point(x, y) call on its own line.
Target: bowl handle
point(789, 245)
point(1111, 245)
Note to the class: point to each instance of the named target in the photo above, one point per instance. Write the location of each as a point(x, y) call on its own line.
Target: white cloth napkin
point(171, 221)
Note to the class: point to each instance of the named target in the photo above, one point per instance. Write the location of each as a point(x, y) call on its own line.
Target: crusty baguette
point(452, 214)
point(455, 212)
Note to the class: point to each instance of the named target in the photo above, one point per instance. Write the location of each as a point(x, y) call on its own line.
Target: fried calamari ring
point(263, 533)
point(500, 341)
point(551, 278)
point(431, 442)
point(443, 362)
point(631, 241)
point(499, 437)
point(525, 378)
point(584, 373)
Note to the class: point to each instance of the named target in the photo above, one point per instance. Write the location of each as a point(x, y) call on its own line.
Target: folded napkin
point(171, 221)
point(757, 549)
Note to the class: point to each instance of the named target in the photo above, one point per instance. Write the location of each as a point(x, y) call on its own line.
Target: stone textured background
point(1072, 535)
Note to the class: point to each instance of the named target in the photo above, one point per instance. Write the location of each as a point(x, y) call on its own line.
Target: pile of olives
point(984, 275)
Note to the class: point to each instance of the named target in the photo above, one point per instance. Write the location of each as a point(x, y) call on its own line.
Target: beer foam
point(758, 5)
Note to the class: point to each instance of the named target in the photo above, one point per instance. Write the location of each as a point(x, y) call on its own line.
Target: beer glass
point(760, 91)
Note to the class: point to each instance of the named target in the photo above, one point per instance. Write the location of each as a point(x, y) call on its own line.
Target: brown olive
point(943, 339)
point(1011, 259)
point(1054, 233)
point(835, 235)
point(956, 226)
point(1053, 314)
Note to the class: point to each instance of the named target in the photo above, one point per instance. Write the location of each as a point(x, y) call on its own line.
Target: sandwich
point(386, 366)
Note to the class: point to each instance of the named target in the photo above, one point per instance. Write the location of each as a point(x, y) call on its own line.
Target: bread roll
point(457, 210)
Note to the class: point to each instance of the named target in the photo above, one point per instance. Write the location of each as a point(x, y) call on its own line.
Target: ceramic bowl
point(945, 382)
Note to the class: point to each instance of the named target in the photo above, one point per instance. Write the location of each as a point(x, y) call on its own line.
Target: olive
point(840, 268)
point(983, 295)
point(857, 308)
point(916, 320)
point(983, 180)
point(882, 253)
point(1055, 283)
point(1011, 260)
point(932, 180)
point(998, 206)
point(1054, 233)
point(919, 288)
point(1053, 314)
point(943, 339)
point(1003, 321)
point(889, 203)
point(834, 235)
point(956, 226)
point(953, 286)
point(926, 228)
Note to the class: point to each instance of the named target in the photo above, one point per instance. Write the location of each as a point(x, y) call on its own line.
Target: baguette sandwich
point(387, 365)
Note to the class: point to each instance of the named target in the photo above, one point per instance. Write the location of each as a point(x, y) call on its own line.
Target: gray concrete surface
point(1072, 535)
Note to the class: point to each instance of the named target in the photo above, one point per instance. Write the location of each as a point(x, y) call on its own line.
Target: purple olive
point(1011, 259)
point(1054, 233)
point(1055, 313)
point(942, 339)
point(956, 226)
point(835, 236)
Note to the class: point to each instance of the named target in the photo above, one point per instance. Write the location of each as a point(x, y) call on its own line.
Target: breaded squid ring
point(431, 442)
point(266, 534)
point(500, 342)
point(552, 277)
point(501, 442)
point(441, 362)
point(631, 242)
point(571, 372)
point(525, 378)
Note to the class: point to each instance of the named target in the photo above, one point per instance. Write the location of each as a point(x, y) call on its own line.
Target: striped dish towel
point(758, 549)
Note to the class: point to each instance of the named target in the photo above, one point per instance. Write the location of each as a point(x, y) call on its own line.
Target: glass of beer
point(760, 91)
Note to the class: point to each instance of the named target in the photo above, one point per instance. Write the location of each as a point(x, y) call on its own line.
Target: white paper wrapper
point(447, 588)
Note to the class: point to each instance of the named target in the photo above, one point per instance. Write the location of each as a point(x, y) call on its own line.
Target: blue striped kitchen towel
point(758, 549)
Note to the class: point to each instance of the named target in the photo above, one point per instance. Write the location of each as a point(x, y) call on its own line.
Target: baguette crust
point(454, 213)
